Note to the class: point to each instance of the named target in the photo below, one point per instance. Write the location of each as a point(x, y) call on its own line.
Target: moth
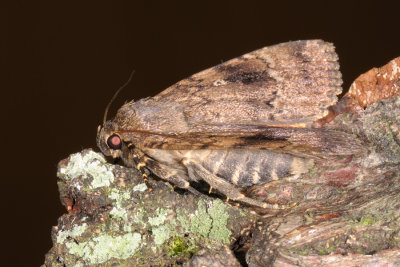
point(244, 122)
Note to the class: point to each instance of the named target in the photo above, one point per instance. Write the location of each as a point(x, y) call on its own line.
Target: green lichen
point(140, 187)
point(327, 250)
point(200, 221)
point(89, 164)
point(304, 252)
point(76, 231)
point(120, 197)
point(182, 218)
point(161, 234)
point(219, 217)
point(128, 228)
point(160, 218)
point(360, 250)
point(211, 223)
point(105, 247)
point(309, 217)
point(367, 221)
point(139, 217)
point(119, 213)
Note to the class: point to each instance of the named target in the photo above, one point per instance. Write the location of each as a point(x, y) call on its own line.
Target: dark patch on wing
point(245, 72)
point(249, 77)
point(262, 137)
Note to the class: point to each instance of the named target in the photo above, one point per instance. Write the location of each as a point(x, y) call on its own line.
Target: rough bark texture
point(346, 214)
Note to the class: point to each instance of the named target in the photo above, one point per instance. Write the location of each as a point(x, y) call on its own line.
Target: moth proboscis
point(244, 122)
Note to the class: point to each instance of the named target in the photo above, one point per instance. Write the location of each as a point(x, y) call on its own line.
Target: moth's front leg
point(169, 174)
point(228, 189)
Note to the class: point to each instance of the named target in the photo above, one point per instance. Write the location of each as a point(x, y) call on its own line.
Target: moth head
point(109, 142)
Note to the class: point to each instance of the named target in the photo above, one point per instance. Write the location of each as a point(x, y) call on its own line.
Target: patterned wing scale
point(289, 84)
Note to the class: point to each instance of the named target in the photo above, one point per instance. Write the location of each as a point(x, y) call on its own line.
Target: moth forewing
point(296, 141)
point(243, 122)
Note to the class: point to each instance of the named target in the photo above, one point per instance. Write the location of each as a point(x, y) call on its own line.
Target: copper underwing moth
point(244, 122)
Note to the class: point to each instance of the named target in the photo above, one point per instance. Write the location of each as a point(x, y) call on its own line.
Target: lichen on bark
point(114, 218)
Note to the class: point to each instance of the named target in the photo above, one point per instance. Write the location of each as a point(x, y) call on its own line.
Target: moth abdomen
point(246, 168)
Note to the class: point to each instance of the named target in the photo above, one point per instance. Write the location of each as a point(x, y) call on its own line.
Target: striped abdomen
point(243, 167)
point(240, 167)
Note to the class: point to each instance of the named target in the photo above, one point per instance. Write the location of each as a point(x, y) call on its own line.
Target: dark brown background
point(65, 59)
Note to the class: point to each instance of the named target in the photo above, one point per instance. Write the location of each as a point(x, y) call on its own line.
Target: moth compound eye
point(114, 142)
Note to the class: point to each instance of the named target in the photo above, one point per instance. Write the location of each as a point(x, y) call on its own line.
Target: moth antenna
point(115, 96)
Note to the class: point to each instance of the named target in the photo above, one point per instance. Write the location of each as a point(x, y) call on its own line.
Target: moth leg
point(170, 175)
point(229, 190)
point(141, 167)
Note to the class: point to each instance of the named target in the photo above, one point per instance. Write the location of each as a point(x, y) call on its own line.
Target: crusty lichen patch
point(130, 225)
point(200, 220)
point(76, 231)
point(120, 196)
point(103, 247)
point(161, 234)
point(87, 245)
point(88, 165)
point(140, 187)
point(159, 219)
point(209, 222)
point(212, 221)
point(219, 216)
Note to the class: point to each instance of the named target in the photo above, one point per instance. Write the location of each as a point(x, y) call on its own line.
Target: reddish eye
point(114, 142)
